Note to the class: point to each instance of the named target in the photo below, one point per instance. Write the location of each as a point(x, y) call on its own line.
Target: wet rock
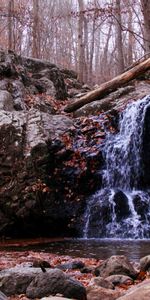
point(122, 209)
point(139, 292)
point(145, 263)
point(100, 215)
point(100, 281)
point(98, 293)
point(53, 282)
point(115, 265)
point(119, 279)
point(141, 206)
point(145, 180)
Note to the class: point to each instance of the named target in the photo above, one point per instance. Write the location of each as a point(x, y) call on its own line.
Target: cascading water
point(121, 209)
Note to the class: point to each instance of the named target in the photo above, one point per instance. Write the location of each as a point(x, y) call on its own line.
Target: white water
point(120, 209)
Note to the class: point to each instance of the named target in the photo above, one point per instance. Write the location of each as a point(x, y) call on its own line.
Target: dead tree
point(110, 86)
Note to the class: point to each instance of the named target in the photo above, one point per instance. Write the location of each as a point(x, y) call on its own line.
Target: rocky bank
point(39, 275)
point(49, 161)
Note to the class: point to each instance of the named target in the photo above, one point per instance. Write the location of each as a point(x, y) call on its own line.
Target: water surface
point(93, 248)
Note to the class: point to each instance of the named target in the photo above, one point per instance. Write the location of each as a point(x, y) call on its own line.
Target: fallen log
point(109, 86)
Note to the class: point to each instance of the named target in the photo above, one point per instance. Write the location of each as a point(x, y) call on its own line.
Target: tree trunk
point(119, 38)
point(146, 14)
point(10, 24)
point(110, 86)
point(81, 58)
point(35, 30)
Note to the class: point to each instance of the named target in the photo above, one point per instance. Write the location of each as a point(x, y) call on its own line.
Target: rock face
point(44, 179)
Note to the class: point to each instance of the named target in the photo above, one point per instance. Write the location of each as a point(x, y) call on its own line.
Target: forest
point(75, 149)
point(98, 39)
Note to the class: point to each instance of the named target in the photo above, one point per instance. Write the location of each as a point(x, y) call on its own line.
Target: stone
point(41, 68)
point(119, 279)
point(139, 292)
point(145, 263)
point(100, 293)
point(141, 207)
point(100, 281)
point(116, 265)
point(41, 264)
point(100, 215)
point(16, 280)
point(122, 209)
point(53, 282)
point(6, 101)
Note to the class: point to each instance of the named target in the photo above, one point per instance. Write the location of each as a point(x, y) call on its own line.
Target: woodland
point(98, 39)
point(75, 149)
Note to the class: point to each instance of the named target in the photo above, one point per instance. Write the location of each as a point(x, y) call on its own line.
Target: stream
point(90, 248)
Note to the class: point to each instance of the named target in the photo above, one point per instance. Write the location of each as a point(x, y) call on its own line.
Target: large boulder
point(145, 263)
point(53, 282)
point(41, 68)
point(116, 264)
point(139, 292)
point(36, 284)
point(16, 280)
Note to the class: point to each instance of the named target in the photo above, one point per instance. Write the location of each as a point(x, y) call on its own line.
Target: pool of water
point(94, 248)
point(100, 248)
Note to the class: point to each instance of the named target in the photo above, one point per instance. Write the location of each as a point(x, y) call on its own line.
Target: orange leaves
point(141, 276)
point(40, 186)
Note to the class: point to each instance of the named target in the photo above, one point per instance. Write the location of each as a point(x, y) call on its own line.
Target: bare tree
point(119, 37)
point(10, 24)
point(146, 13)
point(36, 30)
point(81, 57)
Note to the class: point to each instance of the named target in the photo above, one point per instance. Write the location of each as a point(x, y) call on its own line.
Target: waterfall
point(121, 209)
